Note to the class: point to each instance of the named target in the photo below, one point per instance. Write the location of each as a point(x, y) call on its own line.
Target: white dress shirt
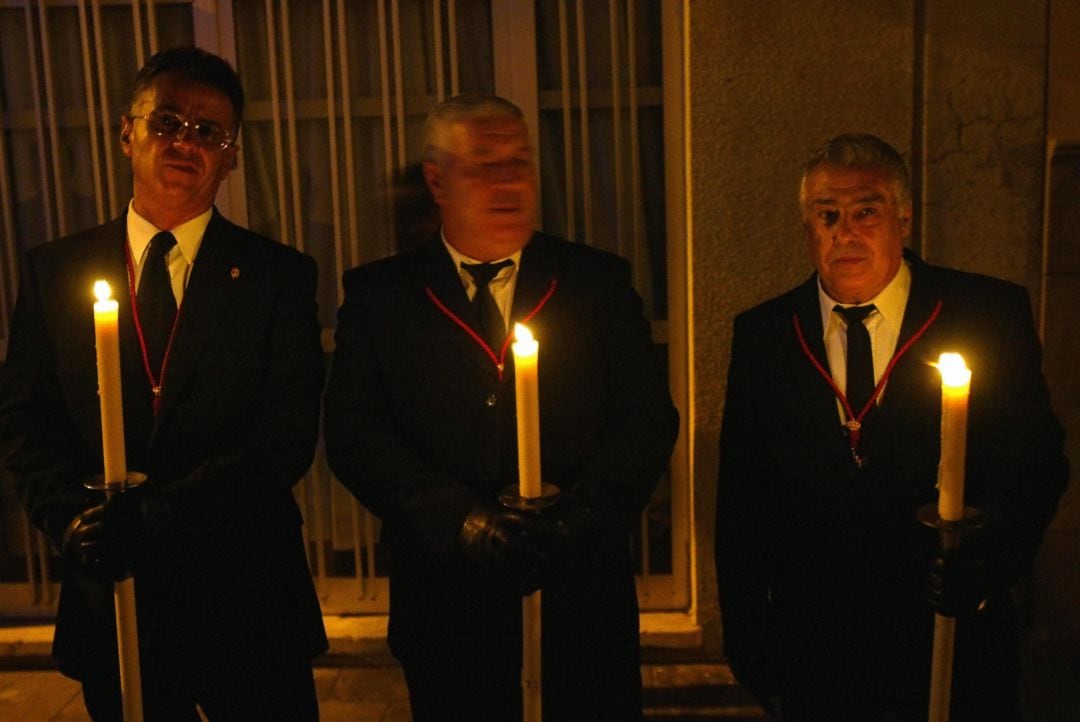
point(883, 326)
point(180, 259)
point(501, 286)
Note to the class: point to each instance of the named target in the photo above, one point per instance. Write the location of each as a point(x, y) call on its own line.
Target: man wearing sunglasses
point(221, 375)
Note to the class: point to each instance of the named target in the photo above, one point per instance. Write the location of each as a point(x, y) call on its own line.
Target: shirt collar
point(188, 234)
point(459, 258)
point(890, 303)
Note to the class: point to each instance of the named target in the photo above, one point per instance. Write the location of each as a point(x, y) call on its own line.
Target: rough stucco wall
point(770, 82)
point(1057, 590)
point(985, 137)
point(1064, 105)
point(1057, 587)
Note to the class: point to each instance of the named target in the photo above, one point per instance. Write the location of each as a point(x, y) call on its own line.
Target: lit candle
point(107, 340)
point(955, 386)
point(526, 385)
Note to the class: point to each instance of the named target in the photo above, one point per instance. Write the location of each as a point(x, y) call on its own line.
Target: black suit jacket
point(236, 430)
point(821, 564)
point(420, 426)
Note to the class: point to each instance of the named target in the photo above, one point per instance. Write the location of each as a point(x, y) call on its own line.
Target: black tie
point(860, 357)
point(157, 304)
point(487, 311)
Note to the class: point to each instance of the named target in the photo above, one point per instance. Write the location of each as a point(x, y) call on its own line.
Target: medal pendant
point(859, 461)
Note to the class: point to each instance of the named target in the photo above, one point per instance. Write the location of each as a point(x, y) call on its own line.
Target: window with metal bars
point(336, 97)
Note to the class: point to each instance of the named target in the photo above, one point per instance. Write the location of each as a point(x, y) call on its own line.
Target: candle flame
point(102, 290)
point(954, 372)
point(522, 334)
point(524, 343)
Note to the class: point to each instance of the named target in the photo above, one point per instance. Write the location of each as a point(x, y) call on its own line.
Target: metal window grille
point(337, 93)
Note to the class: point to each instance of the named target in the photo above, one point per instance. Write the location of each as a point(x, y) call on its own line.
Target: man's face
point(176, 173)
point(485, 186)
point(855, 230)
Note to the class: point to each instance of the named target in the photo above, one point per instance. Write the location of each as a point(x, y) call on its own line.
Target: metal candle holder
point(951, 530)
point(512, 499)
point(98, 483)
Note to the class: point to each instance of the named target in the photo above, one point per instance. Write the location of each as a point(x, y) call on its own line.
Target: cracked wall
point(772, 80)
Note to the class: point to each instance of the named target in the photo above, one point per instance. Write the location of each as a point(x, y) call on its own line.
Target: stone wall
point(961, 88)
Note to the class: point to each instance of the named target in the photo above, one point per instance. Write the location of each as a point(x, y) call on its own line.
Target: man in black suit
point(420, 426)
point(822, 566)
point(221, 410)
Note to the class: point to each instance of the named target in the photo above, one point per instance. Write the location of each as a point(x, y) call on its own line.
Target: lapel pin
point(235, 273)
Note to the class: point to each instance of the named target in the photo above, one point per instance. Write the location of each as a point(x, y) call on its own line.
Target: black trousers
point(482, 683)
point(254, 689)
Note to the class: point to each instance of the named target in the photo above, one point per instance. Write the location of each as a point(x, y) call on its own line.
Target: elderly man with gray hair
point(420, 426)
point(830, 445)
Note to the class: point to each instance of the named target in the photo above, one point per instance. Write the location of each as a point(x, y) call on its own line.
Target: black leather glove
point(504, 542)
point(564, 527)
point(961, 579)
point(141, 517)
point(957, 583)
point(93, 545)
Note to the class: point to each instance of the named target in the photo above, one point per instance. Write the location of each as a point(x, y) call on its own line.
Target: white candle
point(527, 388)
point(955, 386)
point(107, 341)
point(526, 385)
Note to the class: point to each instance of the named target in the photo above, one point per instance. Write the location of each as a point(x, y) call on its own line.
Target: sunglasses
point(167, 124)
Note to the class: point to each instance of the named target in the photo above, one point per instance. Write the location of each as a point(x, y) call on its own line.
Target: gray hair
point(865, 151)
point(460, 108)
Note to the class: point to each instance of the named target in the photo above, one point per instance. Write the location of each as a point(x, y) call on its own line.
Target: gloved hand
point(504, 542)
point(564, 526)
point(141, 517)
point(961, 579)
point(957, 584)
point(92, 544)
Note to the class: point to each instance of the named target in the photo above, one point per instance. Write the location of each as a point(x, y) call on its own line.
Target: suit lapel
point(538, 268)
point(216, 280)
point(108, 256)
point(104, 257)
point(814, 389)
point(450, 306)
point(913, 378)
point(440, 278)
point(922, 300)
